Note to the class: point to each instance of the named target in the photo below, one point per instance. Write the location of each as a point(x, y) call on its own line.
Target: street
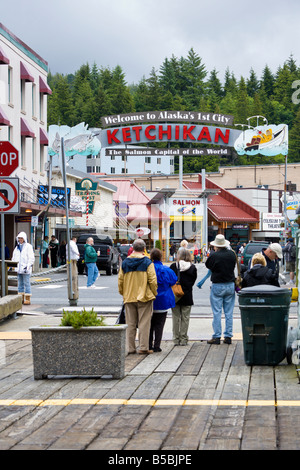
point(52, 297)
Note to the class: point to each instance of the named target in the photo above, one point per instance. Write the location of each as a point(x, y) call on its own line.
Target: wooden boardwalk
point(185, 398)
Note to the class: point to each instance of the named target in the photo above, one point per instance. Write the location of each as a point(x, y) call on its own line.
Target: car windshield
point(124, 249)
point(254, 249)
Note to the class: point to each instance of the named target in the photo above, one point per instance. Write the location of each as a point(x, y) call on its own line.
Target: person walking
point(289, 251)
point(45, 252)
point(258, 273)
point(137, 283)
point(221, 262)
point(164, 300)
point(23, 254)
point(90, 259)
point(53, 247)
point(74, 257)
point(186, 272)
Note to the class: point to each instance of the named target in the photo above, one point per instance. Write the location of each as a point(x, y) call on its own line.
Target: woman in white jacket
point(23, 254)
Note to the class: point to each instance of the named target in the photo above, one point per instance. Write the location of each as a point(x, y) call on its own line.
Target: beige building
point(252, 176)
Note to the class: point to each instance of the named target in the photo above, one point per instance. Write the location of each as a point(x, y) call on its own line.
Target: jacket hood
point(22, 235)
point(184, 265)
point(135, 264)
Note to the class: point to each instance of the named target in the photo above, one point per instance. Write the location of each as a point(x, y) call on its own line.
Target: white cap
point(277, 249)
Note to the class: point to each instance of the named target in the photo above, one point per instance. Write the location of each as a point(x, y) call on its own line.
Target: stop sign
point(9, 158)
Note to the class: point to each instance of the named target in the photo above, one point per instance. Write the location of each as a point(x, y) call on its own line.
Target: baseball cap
point(277, 249)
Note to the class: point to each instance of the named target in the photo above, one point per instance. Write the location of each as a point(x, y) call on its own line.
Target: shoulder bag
point(177, 289)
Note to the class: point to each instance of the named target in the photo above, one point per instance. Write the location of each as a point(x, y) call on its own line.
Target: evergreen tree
point(267, 81)
point(60, 104)
point(252, 84)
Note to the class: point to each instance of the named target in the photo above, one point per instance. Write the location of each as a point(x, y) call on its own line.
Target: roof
point(224, 206)
point(129, 193)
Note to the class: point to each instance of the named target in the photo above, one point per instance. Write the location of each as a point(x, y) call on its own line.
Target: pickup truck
point(109, 259)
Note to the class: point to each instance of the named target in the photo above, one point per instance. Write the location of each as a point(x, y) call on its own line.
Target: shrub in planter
point(80, 346)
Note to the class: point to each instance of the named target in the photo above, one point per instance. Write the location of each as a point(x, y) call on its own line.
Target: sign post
point(9, 195)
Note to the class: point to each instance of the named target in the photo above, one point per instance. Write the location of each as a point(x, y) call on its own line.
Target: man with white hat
point(221, 263)
point(272, 254)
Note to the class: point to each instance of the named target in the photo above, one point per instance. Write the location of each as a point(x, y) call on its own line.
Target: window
point(41, 107)
point(124, 170)
point(113, 170)
point(158, 160)
point(22, 85)
point(23, 151)
point(89, 169)
point(10, 86)
point(42, 164)
point(33, 162)
point(33, 100)
point(112, 157)
point(147, 159)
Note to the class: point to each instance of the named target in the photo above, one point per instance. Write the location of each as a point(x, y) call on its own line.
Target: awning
point(4, 121)
point(43, 137)
point(44, 88)
point(224, 210)
point(3, 58)
point(25, 74)
point(25, 129)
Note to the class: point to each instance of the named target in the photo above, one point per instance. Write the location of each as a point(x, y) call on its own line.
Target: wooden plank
point(151, 361)
point(172, 362)
point(193, 361)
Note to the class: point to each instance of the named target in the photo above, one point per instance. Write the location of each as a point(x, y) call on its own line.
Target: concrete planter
point(88, 351)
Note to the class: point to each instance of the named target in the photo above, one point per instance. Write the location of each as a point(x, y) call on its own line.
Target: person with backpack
point(290, 259)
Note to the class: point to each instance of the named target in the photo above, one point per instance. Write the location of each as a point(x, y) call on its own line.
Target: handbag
point(177, 289)
point(238, 280)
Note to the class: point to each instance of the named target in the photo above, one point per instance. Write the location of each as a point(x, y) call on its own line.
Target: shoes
point(91, 287)
point(290, 283)
point(213, 341)
point(157, 350)
point(227, 340)
point(145, 351)
point(132, 352)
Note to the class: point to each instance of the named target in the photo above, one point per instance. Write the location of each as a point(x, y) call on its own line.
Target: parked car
point(123, 250)
point(250, 249)
point(109, 259)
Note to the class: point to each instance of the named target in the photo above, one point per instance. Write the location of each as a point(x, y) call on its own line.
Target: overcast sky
point(139, 34)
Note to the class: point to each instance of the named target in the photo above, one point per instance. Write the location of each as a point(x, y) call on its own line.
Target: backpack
point(293, 252)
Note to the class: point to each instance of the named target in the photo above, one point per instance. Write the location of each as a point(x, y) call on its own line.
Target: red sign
point(9, 158)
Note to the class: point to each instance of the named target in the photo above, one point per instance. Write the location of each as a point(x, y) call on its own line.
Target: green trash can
point(264, 316)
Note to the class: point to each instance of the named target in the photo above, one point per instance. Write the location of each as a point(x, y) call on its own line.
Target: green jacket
point(90, 254)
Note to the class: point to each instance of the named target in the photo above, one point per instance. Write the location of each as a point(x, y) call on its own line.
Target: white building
point(23, 122)
point(117, 164)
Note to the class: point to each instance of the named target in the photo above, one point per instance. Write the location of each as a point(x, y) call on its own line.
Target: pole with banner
point(72, 300)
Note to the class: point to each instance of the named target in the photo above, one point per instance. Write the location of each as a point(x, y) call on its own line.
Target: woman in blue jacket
point(164, 300)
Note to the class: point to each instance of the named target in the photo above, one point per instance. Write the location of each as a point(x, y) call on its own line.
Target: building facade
point(23, 122)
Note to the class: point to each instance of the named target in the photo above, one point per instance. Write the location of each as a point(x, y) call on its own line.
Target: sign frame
point(14, 205)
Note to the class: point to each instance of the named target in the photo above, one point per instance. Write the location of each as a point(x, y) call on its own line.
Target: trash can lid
point(264, 289)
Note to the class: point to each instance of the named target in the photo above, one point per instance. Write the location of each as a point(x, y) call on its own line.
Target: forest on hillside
point(183, 84)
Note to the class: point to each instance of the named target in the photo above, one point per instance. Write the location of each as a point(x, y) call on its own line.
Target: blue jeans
point(93, 272)
point(222, 296)
point(24, 283)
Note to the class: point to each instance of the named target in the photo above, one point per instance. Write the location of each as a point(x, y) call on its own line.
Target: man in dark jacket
point(221, 263)
point(289, 251)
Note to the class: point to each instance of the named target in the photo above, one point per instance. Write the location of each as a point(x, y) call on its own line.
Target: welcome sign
point(266, 140)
